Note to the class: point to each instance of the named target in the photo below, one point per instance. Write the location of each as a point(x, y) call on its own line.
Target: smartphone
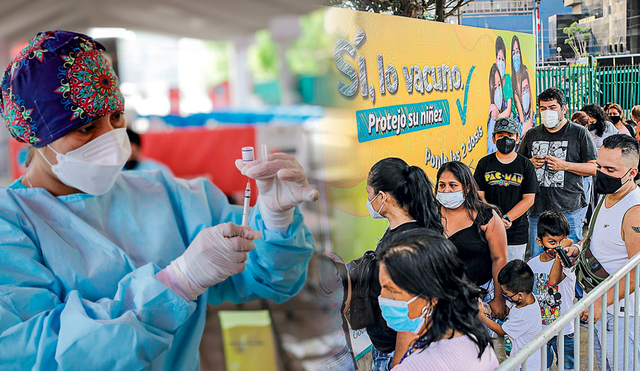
point(563, 257)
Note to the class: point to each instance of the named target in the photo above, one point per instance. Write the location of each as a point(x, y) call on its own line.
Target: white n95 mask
point(450, 200)
point(94, 167)
point(375, 214)
point(550, 119)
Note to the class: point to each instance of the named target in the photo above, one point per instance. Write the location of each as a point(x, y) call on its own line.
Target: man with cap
point(113, 270)
point(508, 180)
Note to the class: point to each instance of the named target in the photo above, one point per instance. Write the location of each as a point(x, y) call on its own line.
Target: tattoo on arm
point(636, 229)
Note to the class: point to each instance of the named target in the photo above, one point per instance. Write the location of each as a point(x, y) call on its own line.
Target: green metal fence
point(584, 84)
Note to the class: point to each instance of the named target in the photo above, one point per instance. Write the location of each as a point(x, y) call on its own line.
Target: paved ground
point(303, 328)
point(584, 350)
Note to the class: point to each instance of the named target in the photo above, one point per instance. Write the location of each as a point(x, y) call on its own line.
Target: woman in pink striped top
point(425, 292)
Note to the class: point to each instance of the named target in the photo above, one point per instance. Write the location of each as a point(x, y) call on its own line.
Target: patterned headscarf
point(55, 85)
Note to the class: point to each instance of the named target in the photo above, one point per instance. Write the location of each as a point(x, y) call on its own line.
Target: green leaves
point(578, 37)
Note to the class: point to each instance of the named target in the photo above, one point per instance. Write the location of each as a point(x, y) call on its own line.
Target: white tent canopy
point(201, 19)
point(235, 20)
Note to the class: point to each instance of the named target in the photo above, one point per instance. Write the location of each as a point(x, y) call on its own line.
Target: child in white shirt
point(554, 285)
point(524, 321)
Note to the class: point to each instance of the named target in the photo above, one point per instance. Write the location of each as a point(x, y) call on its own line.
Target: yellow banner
point(427, 92)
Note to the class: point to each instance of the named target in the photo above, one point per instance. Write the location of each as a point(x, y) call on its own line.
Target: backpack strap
point(341, 267)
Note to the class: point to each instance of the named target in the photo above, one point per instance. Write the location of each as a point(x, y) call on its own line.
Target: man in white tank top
point(616, 234)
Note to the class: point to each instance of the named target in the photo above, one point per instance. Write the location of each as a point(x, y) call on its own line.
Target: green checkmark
point(463, 109)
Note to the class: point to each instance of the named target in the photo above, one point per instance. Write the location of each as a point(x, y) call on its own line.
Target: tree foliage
point(263, 58)
point(577, 38)
point(311, 54)
point(437, 10)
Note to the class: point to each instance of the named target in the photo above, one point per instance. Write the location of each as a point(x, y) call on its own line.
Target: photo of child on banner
point(510, 94)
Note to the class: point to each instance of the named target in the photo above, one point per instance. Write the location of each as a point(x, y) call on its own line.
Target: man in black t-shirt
point(563, 153)
point(508, 180)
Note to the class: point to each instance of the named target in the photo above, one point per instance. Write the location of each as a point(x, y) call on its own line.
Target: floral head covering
point(58, 83)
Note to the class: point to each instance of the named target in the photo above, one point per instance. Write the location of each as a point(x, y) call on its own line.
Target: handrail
point(565, 318)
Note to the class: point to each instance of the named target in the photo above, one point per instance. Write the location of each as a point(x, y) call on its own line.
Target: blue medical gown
point(77, 273)
point(149, 165)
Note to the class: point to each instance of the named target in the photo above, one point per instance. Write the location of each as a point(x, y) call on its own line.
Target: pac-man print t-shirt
point(504, 185)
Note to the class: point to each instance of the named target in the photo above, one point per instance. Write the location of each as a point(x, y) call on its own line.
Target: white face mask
point(94, 167)
point(451, 200)
point(550, 119)
point(374, 214)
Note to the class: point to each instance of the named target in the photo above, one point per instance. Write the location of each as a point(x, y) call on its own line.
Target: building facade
point(615, 25)
point(513, 15)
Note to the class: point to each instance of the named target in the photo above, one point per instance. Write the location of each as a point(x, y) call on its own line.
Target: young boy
point(554, 286)
point(524, 321)
point(508, 180)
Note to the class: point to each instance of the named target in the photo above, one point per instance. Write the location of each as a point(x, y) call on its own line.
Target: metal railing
point(539, 343)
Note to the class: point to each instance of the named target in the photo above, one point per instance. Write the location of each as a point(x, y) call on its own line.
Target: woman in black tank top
point(474, 227)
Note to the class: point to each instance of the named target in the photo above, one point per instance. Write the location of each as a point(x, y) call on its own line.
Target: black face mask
point(607, 184)
point(130, 165)
point(506, 145)
point(614, 119)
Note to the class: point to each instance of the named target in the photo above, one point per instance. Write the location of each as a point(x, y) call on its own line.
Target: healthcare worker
point(113, 270)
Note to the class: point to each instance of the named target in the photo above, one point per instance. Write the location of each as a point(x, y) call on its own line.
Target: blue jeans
point(341, 361)
point(381, 361)
point(633, 346)
point(552, 348)
point(574, 218)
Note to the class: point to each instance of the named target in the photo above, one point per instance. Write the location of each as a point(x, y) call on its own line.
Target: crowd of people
point(87, 273)
point(469, 235)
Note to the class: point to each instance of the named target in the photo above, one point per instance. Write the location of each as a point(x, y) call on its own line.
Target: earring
point(427, 311)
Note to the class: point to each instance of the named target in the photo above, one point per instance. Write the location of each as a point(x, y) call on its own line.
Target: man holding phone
point(562, 152)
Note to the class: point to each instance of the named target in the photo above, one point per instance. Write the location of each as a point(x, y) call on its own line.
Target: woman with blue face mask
point(475, 228)
point(403, 195)
point(112, 269)
point(442, 310)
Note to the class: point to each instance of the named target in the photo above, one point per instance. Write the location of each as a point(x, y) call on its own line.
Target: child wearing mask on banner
point(508, 180)
point(554, 284)
point(524, 321)
point(501, 63)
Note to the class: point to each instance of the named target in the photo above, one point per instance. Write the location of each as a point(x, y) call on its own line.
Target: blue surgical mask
point(502, 67)
point(497, 98)
point(510, 298)
point(526, 101)
point(374, 214)
point(516, 62)
point(396, 313)
point(450, 200)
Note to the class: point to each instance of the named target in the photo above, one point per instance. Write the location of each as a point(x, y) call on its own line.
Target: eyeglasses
point(510, 298)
